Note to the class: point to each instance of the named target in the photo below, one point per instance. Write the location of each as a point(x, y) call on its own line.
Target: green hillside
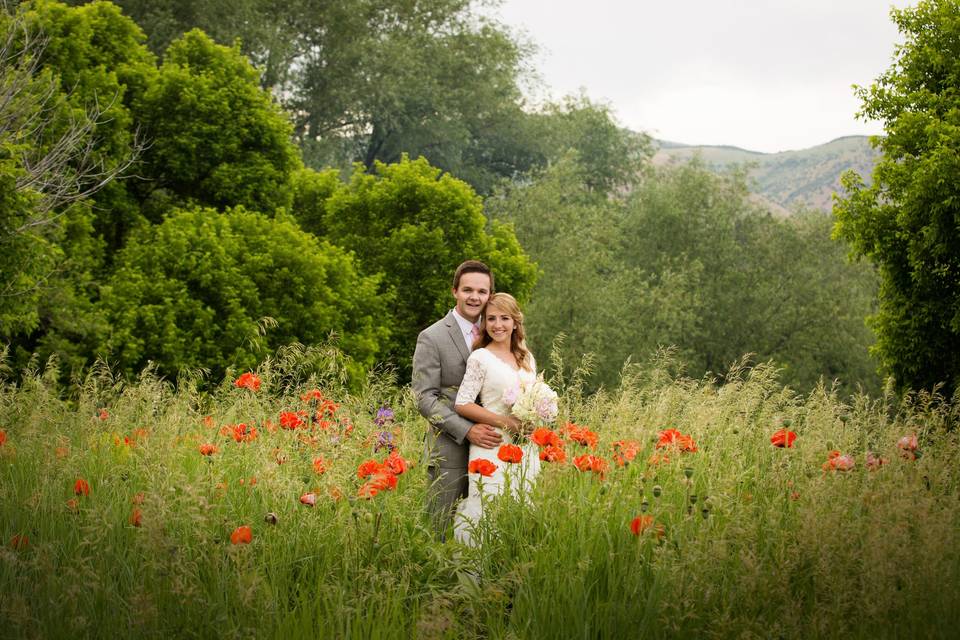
point(788, 180)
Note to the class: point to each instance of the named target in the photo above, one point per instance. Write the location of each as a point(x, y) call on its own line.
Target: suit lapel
point(453, 328)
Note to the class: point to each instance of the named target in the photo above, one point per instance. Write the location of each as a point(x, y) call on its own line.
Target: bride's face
point(499, 324)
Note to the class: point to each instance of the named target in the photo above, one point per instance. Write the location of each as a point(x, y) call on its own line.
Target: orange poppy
point(312, 395)
point(595, 464)
point(874, 462)
point(241, 535)
point(207, 449)
point(543, 437)
point(19, 542)
point(81, 487)
point(368, 468)
point(327, 407)
point(580, 435)
point(208, 422)
point(72, 504)
point(380, 481)
point(137, 499)
point(243, 433)
point(553, 453)
point(395, 464)
point(837, 462)
point(308, 499)
point(482, 466)
point(319, 466)
point(249, 381)
point(290, 420)
point(643, 523)
point(103, 414)
point(136, 518)
point(510, 453)
point(673, 438)
point(783, 438)
point(625, 451)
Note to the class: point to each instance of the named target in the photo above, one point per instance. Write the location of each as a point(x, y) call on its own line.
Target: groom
point(439, 363)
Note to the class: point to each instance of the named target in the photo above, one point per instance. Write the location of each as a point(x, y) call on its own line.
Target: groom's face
point(471, 294)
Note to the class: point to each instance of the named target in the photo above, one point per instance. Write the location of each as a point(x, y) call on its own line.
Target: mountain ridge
point(785, 181)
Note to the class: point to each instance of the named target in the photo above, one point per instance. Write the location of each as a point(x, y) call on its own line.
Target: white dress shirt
point(466, 328)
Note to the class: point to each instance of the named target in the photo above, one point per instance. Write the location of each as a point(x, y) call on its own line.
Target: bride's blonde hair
point(518, 339)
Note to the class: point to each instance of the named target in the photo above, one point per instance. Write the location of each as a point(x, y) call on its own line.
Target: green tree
point(191, 292)
point(413, 225)
point(216, 138)
point(906, 221)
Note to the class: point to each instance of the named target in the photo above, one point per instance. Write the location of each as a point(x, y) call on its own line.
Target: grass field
point(744, 539)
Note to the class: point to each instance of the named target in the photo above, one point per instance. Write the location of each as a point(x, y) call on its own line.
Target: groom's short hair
point(472, 266)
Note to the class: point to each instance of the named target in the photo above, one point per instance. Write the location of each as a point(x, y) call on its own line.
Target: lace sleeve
point(472, 380)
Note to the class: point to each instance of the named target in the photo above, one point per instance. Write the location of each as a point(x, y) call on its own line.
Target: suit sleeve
point(426, 390)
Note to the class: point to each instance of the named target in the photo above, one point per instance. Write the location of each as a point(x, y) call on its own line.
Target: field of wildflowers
point(283, 504)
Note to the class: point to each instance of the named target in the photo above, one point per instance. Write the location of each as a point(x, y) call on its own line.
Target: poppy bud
point(705, 513)
point(845, 418)
point(657, 491)
point(270, 518)
point(644, 506)
point(368, 517)
point(688, 471)
point(693, 498)
point(787, 423)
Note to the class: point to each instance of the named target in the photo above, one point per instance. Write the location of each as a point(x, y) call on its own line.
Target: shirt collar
point(465, 325)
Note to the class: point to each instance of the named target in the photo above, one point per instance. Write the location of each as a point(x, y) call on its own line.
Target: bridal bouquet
point(534, 403)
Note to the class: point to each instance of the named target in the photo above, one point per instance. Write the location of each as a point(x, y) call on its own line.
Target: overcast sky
point(765, 75)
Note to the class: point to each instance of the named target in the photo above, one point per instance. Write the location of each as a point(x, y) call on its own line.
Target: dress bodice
point(488, 377)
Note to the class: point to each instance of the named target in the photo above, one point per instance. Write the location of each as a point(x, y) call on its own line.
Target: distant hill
point(788, 180)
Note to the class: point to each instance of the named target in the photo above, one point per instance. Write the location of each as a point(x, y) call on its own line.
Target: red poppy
point(657, 459)
point(241, 535)
point(208, 422)
point(137, 499)
point(643, 523)
point(546, 438)
point(319, 466)
point(510, 453)
point(72, 504)
point(580, 435)
point(837, 462)
point(783, 438)
point(312, 395)
point(482, 466)
point(380, 481)
point(874, 462)
point(249, 381)
point(595, 464)
point(61, 452)
point(327, 407)
point(243, 433)
point(553, 453)
point(673, 438)
point(3, 437)
point(207, 449)
point(103, 414)
point(290, 420)
point(19, 542)
point(395, 464)
point(625, 451)
point(136, 518)
point(368, 468)
point(81, 487)
point(308, 499)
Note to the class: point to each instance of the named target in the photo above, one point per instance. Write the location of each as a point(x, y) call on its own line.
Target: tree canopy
point(906, 221)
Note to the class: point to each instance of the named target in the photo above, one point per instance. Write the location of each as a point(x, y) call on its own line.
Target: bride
point(499, 364)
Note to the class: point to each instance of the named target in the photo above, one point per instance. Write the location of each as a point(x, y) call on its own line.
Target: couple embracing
point(466, 368)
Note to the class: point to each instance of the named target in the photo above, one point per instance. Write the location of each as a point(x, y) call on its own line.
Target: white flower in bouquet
point(535, 403)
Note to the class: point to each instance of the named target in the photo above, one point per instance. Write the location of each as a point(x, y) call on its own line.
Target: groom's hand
point(483, 435)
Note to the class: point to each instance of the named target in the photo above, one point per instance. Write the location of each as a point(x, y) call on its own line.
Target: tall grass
point(757, 541)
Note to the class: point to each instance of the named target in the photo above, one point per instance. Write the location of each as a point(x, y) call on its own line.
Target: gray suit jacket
point(439, 363)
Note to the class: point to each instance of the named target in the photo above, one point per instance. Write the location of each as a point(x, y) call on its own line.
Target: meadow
point(147, 509)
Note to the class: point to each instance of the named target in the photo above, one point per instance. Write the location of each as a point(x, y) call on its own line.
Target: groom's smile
point(472, 295)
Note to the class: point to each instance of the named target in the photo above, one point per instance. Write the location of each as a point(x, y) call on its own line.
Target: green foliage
point(217, 139)
point(414, 225)
point(686, 261)
point(906, 222)
point(194, 291)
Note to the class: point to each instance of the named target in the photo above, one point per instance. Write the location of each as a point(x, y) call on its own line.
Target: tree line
point(193, 187)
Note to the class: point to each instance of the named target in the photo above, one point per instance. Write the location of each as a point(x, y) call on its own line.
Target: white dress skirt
point(488, 377)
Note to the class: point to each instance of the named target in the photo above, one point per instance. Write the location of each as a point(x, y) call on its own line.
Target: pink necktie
point(474, 334)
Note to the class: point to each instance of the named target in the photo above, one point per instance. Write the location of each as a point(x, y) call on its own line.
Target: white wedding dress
point(487, 378)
